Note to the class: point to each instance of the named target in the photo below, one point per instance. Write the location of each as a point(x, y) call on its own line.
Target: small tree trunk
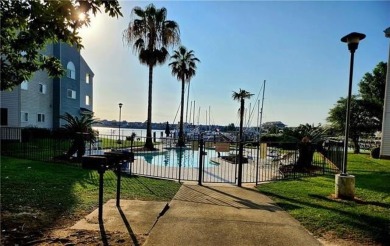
point(355, 140)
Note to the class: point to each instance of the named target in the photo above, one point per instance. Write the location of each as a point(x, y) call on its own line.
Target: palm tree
point(79, 129)
point(184, 68)
point(241, 96)
point(151, 35)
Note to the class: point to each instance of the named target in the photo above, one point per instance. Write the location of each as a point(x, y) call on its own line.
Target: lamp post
point(385, 140)
point(344, 183)
point(119, 125)
point(352, 40)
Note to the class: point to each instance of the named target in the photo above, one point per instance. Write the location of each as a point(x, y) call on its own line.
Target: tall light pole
point(385, 140)
point(119, 125)
point(344, 183)
point(352, 40)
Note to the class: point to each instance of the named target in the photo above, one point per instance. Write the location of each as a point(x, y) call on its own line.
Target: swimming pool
point(179, 157)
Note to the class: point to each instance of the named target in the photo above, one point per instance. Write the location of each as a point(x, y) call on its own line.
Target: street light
point(352, 40)
point(120, 114)
point(344, 183)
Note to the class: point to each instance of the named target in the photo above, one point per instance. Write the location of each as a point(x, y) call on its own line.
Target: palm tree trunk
point(149, 143)
point(181, 130)
point(241, 117)
point(240, 149)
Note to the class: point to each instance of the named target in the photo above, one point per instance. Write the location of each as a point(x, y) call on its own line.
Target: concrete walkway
point(226, 215)
point(203, 215)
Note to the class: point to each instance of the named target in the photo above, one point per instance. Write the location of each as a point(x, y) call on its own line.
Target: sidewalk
point(201, 215)
point(226, 215)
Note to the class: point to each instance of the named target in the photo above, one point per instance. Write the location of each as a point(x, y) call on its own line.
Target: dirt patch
point(330, 239)
point(25, 229)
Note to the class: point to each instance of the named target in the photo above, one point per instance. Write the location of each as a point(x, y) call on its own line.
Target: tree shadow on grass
point(377, 228)
point(356, 200)
point(35, 195)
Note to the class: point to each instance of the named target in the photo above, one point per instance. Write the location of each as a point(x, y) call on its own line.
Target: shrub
point(375, 152)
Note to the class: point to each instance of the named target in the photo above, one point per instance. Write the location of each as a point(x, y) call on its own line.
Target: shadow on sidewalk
point(212, 196)
point(128, 227)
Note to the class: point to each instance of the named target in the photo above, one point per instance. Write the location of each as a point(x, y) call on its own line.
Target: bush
point(375, 152)
point(30, 133)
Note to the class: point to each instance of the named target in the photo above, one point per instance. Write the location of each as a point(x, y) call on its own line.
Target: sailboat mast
point(262, 105)
point(188, 94)
point(206, 117)
point(209, 118)
point(190, 113)
point(193, 116)
point(198, 116)
point(258, 114)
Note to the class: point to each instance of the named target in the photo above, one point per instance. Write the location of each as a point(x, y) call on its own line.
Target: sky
point(293, 45)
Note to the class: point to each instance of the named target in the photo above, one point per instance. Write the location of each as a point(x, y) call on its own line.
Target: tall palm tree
point(241, 96)
point(79, 129)
point(151, 35)
point(184, 68)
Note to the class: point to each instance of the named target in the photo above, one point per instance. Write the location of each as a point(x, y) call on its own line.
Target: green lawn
point(365, 220)
point(108, 143)
point(37, 149)
point(36, 194)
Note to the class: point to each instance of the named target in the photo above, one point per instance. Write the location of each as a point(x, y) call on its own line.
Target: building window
point(87, 100)
point(42, 88)
point(24, 117)
point(71, 70)
point(24, 85)
point(87, 78)
point(41, 118)
point(4, 116)
point(71, 94)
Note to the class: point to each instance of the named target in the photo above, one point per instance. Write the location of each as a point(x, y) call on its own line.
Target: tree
point(315, 133)
point(230, 128)
point(361, 120)
point(240, 96)
point(79, 129)
point(372, 90)
point(28, 26)
point(167, 130)
point(184, 68)
point(151, 35)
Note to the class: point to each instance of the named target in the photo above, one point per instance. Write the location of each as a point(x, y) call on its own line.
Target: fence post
point(240, 154)
point(180, 157)
point(200, 160)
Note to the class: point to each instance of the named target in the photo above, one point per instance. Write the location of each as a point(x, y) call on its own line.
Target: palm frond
point(183, 64)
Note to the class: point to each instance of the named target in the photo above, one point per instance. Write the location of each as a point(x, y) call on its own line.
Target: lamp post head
point(353, 40)
point(120, 105)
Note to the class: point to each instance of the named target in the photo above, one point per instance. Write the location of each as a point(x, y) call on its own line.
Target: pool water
point(176, 157)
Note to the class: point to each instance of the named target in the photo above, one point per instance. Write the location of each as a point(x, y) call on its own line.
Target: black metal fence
point(33, 143)
point(201, 160)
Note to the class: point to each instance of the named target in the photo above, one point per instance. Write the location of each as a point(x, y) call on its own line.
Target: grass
point(34, 195)
point(40, 148)
point(108, 143)
point(364, 220)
